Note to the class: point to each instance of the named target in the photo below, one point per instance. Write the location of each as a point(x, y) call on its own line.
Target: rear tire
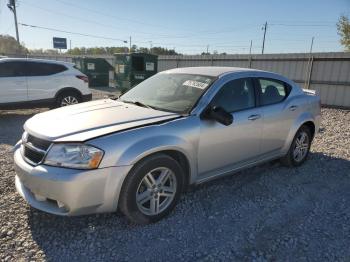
point(151, 189)
point(299, 148)
point(68, 98)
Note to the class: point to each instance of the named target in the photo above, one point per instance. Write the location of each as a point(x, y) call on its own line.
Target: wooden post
point(309, 66)
point(250, 61)
point(310, 73)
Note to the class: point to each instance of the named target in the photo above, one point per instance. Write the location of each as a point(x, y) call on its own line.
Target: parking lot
point(267, 213)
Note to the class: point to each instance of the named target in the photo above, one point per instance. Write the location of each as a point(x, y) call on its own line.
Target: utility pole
point(312, 44)
point(70, 44)
point(12, 6)
point(130, 44)
point(263, 45)
point(250, 48)
point(309, 66)
point(150, 45)
point(207, 50)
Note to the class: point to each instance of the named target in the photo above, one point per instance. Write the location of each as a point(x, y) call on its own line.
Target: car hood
point(88, 120)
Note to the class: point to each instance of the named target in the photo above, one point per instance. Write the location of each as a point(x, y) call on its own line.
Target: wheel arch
point(68, 89)
point(304, 119)
point(179, 157)
point(174, 152)
point(312, 127)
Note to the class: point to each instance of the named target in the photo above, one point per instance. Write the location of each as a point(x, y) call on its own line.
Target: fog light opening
point(40, 198)
point(60, 204)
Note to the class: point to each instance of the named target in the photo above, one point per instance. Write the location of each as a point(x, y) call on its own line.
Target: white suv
point(26, 82)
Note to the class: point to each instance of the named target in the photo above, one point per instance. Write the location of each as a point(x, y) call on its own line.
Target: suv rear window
point(12, 69)
point(44, 69)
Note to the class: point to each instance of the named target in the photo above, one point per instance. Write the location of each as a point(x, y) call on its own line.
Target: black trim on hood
point(135, 127)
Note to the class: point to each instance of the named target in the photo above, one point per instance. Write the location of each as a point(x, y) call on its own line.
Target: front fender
point(303, 118)
point(151, 145)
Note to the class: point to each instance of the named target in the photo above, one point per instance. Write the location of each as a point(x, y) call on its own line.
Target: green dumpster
point(98, 70)
point(131, 69)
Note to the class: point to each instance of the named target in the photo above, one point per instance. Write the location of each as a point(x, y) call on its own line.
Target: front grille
point(34, 149)
point(32, 155)
point(39, 143)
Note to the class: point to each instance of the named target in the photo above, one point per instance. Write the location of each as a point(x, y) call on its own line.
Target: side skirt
point(237, 169)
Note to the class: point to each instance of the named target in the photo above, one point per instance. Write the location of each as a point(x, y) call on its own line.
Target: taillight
point(84, 78)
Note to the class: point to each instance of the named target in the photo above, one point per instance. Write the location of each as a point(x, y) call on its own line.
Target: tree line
point(119, 49)
point(9, 45)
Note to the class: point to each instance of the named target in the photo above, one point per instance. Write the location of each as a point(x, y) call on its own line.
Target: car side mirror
point(218, 114)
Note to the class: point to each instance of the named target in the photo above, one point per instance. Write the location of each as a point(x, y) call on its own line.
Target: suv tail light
point(84, 78)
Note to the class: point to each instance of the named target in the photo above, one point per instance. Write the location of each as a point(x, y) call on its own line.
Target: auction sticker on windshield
point(196, 84)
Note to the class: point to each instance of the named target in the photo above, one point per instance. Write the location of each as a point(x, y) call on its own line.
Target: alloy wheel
point(69, 100)
point(301, 146)
point(156, 191)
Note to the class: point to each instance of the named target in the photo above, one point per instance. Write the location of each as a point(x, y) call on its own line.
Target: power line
point(160, 36)
point(70, 4)
point(211, 32)
point(275, 23)
point(303, 25)
point(300, 40)
point(83, 19)
point(229, 44)
point(73, 33)
point(304, 21)
point(200, 47)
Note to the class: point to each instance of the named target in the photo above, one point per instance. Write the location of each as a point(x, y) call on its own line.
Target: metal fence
point(327, 73)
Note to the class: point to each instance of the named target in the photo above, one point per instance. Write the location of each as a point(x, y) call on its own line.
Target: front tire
point(68, 98)
point(151, 189)
point(299, 148)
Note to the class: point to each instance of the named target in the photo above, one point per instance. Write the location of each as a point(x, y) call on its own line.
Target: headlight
point(24, 137)
point(79, 156)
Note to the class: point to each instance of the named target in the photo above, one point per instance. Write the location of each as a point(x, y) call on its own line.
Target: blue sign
point(60, 43)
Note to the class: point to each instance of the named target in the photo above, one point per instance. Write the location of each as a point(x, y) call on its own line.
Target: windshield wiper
point(138, 103)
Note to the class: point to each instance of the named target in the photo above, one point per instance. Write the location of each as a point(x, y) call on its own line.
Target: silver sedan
point(178, 128)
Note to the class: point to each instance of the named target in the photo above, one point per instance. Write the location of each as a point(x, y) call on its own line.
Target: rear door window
point(272, 91)
point(12, 69)
point(44, 69)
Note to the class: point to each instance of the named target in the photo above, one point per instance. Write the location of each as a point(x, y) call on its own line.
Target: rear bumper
point(87, 97)
point(69, 192)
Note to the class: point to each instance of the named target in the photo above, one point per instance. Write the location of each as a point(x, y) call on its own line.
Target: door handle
point(254, 117)
point(293, 108)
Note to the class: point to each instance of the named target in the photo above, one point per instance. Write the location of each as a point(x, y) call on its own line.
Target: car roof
point(35, 60)
point(215, 71)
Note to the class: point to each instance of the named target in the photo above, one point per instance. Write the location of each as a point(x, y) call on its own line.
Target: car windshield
point(169, 92)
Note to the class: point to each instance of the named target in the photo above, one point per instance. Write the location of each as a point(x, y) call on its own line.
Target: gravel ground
point(267, 213)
